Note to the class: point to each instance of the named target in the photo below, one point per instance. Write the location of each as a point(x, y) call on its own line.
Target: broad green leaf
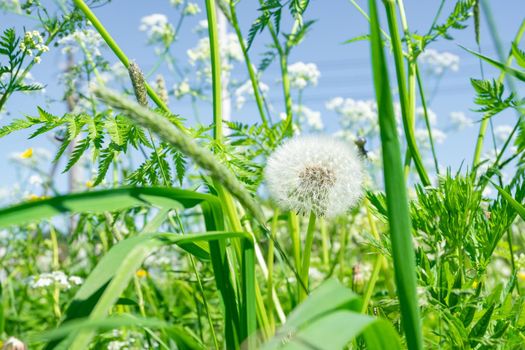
point(101, 201)
point(113, 273)
point(328, 319)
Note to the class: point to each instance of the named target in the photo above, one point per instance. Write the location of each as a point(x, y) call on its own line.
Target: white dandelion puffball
point(318, 174)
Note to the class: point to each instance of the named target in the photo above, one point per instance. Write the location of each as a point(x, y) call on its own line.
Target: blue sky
point(345, 69)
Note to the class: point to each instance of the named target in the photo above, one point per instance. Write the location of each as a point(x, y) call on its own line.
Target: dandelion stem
point(306, 256)
point(324, 242)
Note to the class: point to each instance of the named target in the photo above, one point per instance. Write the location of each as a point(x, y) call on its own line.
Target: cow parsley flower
point(57, 278)
point(303, 75)
point(86, 39)
point(191, 9)
point(157, 28)
point(318, 174)
point(245, 90)
point(439, 62)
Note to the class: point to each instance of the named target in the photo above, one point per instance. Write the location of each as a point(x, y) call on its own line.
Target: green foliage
point(490, 97)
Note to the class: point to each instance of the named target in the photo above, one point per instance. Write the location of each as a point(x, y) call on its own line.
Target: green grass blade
point(396, 196)
point(113, 273)
point(502, 66)
point(403, 92)
point(101, 201)
point(103, 324)
point(520, 209)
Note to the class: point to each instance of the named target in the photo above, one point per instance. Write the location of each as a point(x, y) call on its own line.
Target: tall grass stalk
point(249, 66)
point(395, 187)
point(406, 94)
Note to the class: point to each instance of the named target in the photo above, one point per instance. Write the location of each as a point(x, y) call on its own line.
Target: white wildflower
point(182, 89)
point(33, 44)
point(247, 89)
point(85, 39)
point(439, 62)
point(460, 120)
point(191, 9)
point(176, 3)
point(303, 75)
point(432, 117)
point(55, 278)
point(13, 343)
point(36, 180)
point(11, 6)
point(318, 174)
point(157, 28)
point(202, 27)
point(310, 118)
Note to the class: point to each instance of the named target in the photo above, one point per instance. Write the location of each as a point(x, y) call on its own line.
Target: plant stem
point(305, 268)
point(395, 186)
point(485, 121)
point(118, 52)
point(324, 237)
point(404, 96)
point(253, 76)
point(293, 222)
point(215, 70)
point(269, 262)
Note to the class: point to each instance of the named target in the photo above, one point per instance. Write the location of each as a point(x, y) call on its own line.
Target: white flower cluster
point(439, 62)
point(11, 5)
point(318, 174)
point(230, 50)
point(360, 118)
point(357, 115)
point(245, 90)
point(55, 278)
point(202, 27)
point(191, 9)
point(87, 39)
point(308, 118)
point(303, 75)
point(157, 28)
point(182, 89)
point(33, 41)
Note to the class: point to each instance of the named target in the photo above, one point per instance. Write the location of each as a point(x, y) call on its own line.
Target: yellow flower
point(35, 197)
point(521, 275)
point(28, 153)
point(89, 184)
point(141, 273)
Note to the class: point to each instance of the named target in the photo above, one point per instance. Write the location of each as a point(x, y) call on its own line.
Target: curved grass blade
point(520, 209)
point(396, 196)
point(101, 201)
point(512, 71)
point(113, 273)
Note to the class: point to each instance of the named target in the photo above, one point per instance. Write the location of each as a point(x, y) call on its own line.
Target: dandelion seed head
point(317, 174)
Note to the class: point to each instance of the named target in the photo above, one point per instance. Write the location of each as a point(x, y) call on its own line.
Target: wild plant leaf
point(502, 66)
point(519, 55)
